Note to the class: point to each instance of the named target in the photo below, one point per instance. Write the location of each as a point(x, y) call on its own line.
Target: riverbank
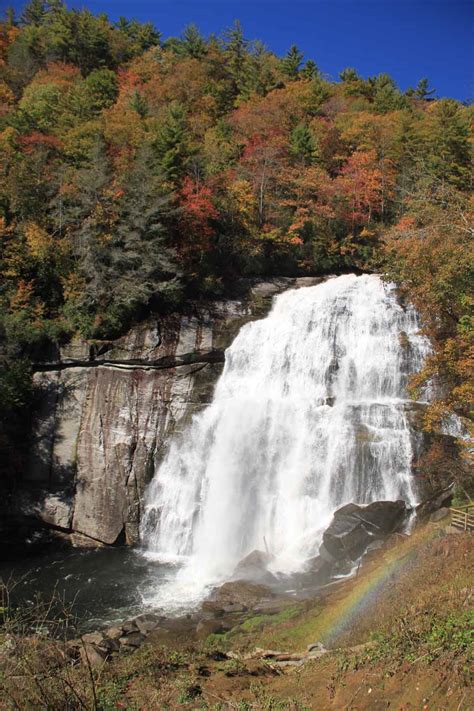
point(399, 632)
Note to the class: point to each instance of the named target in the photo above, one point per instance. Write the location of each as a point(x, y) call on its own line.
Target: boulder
point(92, 655)
point(147, 622)
point(114, 632)
point(55, 510)
point(206, 627)
point(92, 638)
point(238, 596)
point(354, 527)
point(254, 567)
point(133, 639)
point(439, 499)
point(439, 515)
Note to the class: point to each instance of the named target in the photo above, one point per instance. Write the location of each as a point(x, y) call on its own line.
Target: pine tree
point(171, 144)
point(235, 46)
point(386, 95)
point(303, 145)
point(139, 104)
point(144, 264)
point(310, 70)
point(192, 43)
point(448, 144)
point(291, 63)
point(422, 91)
point(34, 13)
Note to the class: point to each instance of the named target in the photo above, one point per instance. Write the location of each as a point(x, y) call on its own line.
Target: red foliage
point(197, 210)
point(360, 183)
point(36, 139)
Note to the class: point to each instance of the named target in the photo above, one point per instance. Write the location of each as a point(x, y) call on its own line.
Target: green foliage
point(291, 63)
point(16, 389)
point(171, 144)
point(302, 144)
point(137, 173)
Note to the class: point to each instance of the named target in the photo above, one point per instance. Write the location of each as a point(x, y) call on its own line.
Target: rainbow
point(347, 607)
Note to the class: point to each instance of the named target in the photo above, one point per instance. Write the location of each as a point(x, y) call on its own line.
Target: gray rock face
point(109, 409)
point(354, 527)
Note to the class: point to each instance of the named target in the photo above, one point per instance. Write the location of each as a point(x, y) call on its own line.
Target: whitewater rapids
point(308, 414)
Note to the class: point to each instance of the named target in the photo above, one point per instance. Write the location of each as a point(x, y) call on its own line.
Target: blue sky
point(409, 39)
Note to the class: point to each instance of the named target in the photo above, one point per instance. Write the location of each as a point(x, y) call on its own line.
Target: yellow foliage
point(39, 242)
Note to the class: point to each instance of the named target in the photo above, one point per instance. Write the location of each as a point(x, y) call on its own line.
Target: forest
point(138, 173)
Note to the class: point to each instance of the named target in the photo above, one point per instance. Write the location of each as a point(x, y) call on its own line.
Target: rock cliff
point(108, 409)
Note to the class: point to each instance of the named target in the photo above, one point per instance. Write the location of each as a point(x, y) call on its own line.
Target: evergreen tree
point(235, 46)
point(141, 254)
point(192, 43)
point(10, 16)
point(139, 104)
point(422, 90)
point(303, 145)
point(172, 145)
point(349, 75)
point(386, 95)
point(260, 77)
point(34, 13)
point(291, 63)
point(448, 144)
point(310, 70)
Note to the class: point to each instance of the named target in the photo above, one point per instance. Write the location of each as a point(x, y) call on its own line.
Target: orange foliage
point(360, 185)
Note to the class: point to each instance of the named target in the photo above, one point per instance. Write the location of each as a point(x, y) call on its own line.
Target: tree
point(386, 95)
point(291, 63)
point(446, 133)
point(422, 90)
point(34, 13)
point(196, 214)
point(235, 46)
point(360, 186)
point(310, 70)
point(192, 43)
point(302, 144)
point(139, 104)
point(172, 144)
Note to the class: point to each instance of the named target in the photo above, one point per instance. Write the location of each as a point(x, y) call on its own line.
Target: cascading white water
point(307, 415)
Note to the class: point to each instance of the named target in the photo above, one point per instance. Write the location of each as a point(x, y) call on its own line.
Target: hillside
point(399, 635)
point(138, 172)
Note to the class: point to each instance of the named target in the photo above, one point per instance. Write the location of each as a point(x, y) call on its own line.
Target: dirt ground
point(399, 635)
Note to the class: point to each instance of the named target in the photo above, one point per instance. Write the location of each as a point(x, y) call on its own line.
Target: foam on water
point(309, 414)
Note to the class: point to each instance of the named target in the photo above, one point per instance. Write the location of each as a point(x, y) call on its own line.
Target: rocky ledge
point(108, 408)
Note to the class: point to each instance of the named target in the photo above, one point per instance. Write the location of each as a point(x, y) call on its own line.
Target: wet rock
point(109, 645)
point(253, 566)
point(316, 647)
point(354, 527)
point(147, 622)
point(207, 627)
point(270, 607)
point(239, 594)
point(55, 510)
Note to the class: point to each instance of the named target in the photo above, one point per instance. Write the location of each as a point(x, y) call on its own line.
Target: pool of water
point(102, 585)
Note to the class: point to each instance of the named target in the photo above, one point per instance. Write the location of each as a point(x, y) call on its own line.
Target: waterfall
point(308, 414)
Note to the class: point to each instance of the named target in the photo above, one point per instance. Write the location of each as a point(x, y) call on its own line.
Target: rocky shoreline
point(355, 533)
